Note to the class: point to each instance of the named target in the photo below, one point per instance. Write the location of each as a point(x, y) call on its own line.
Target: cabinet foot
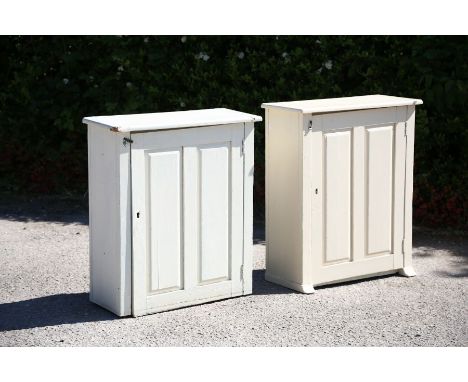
point(307, 289)
point(407, 272)
point(304, 288)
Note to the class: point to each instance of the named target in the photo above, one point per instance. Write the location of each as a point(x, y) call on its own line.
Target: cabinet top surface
point(171, 120)
point(329, 105)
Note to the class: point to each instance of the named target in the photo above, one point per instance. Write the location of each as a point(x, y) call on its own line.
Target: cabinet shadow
point(51, 310)
point(73, 308)
point(260, 286)
point(52, 209)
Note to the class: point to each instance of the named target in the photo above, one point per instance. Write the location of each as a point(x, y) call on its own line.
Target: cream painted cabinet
point(339, 177)
point(170, 208)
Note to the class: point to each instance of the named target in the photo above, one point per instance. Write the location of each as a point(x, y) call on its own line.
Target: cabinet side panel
point(125, 220)
point(399, 190)
point(248, 205)
point(107, 286)
point(284, 190)
point(408, 226)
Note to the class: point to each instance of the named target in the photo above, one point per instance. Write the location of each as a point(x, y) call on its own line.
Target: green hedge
point(47, 84)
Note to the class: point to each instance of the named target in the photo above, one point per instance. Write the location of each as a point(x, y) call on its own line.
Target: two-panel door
point(187, 198)
point(357, 193)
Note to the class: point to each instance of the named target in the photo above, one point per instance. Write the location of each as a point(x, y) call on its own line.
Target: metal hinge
point(406, 129)
point(243, 147)
point(310, 125)
point(126, 140)
point(242, 272)
point(403, 246)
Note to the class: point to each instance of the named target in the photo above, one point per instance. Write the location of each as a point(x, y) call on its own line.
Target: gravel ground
point(44, 297)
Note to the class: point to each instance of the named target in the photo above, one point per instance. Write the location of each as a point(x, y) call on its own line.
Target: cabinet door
point(187, 203)
point(357, 193)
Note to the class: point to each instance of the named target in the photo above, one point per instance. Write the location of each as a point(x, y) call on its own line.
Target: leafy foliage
point(48, 84)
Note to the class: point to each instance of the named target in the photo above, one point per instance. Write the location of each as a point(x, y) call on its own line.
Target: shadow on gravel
point(427, 244)
point(259, 232)
point(427, 241)
point(45, 209)
point(76, 308)
point(51, 311)
point(458, 274)
point(261, 287)
point(458, 268)
point(358, 281)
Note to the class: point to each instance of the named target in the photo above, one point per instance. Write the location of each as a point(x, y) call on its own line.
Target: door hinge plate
point(126, 140)
point(242, 272)
point(406, 129)
point(403, 246)
point(243, 147)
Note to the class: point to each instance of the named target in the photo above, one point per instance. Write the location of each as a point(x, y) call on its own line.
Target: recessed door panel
point(164, 225)
point(214, 211)
point(337, 173)
point(379, 189)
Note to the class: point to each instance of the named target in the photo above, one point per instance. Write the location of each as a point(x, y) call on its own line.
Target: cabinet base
point(186, 304)
point(407, 272)
point(120, 311)
point(304, 288)
point(309, 288)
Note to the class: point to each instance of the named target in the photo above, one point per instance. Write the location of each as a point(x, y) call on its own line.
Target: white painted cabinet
point(339, 179)
point(170, 198)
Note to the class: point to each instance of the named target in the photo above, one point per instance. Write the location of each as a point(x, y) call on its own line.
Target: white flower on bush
point(145, 40)
point(182, 104)
point(328, 64)
point(240, 55)
point(120, 68)
point(285, 56)
point(202, 56)
point(66, 81)
point(129, 84)
point(183, 39)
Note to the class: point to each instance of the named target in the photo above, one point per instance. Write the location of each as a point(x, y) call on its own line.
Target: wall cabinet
point(170, 199)
point(339, 176)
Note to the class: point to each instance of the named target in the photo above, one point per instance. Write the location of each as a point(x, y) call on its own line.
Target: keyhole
point(138, 215)
point(316, 191)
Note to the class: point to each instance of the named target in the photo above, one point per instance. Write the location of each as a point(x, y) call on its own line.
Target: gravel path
point(44, 299)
